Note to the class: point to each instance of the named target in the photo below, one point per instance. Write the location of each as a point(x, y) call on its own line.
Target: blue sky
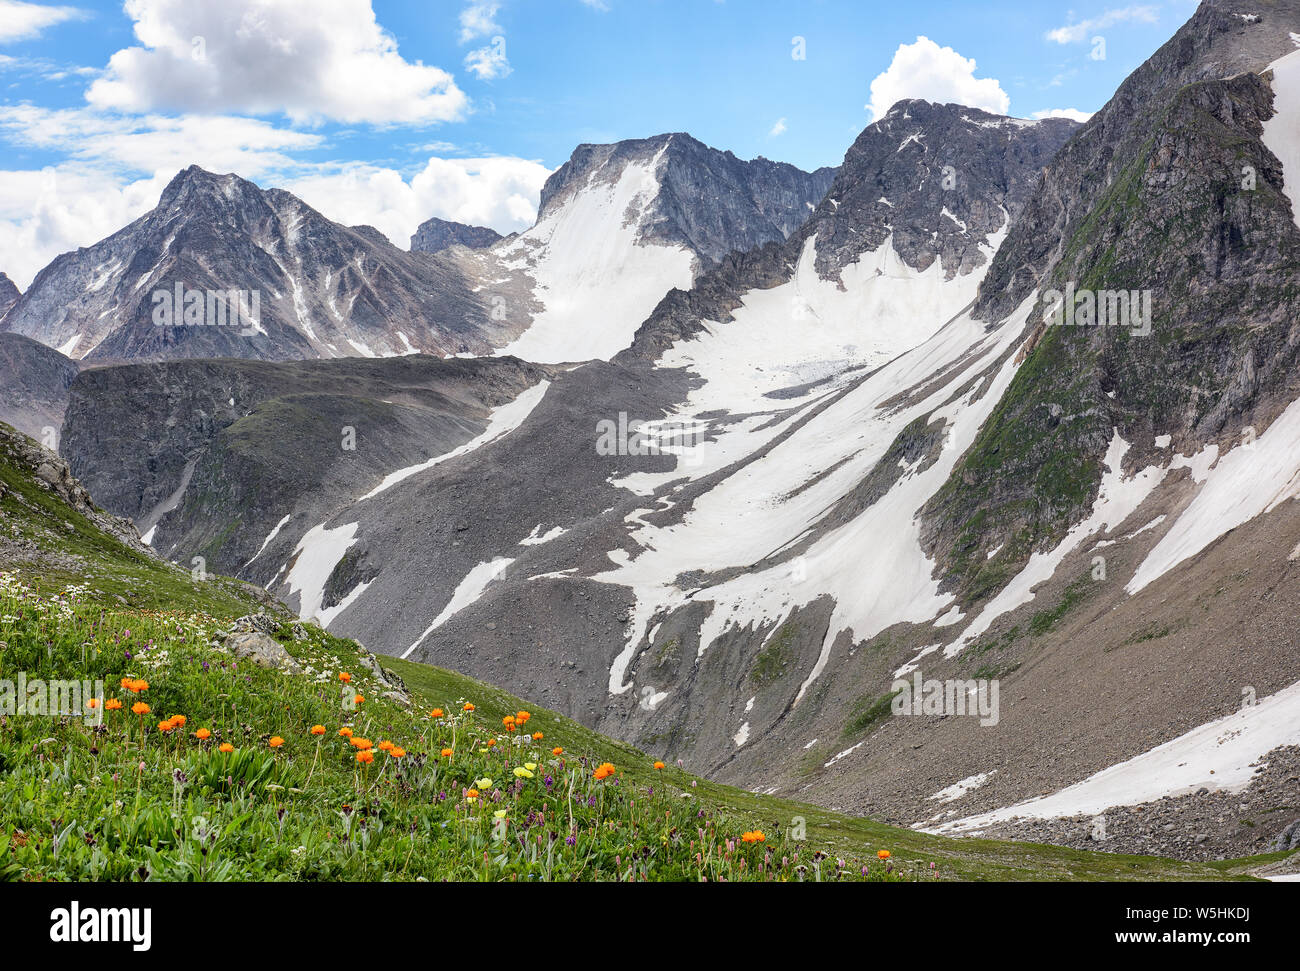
point(389, 111)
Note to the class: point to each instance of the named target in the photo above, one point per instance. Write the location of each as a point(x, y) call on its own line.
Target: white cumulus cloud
point(47, 212)
point(328, 61)
point(777, 129)
point(499, 191)
point(1074, 114)
point(933, 73)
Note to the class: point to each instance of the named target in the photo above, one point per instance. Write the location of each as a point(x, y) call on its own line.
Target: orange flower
point(537, 736)
point(276, 741)
point(140, 708)
point(112, 704)
point(366, 757)
point(126, 683)
point(203, 734)
point(360, 699)
point(135, 686)
point(179, 720)
point(318, 729)
point(468, 706)
point(386, 746)
point(345, 677)
point(508, 721)
point(755, 837)
point(362, 743)
point(883, 854)
point(92, 704)
point(557, 751)
point(437, 713)
point(446, 753)
point(605, 770)
point(491, 742)
point(522, 717)
point(166, 726)
point(345, 732)
point(471, 794)
point(396, 752)
point(226, 747)
point(659, 765)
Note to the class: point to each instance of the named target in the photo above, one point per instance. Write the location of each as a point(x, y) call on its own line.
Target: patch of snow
point(533, 539)
point(467, 592)
point(1249, 480)
point(318, 553)
point(501, 422)
point(847, 751)
point(1218, 755)
point(1282, 131)
point(595, 277)
point(270, 536)
point(958, 789)
point(742, 736)
point(1117, 498)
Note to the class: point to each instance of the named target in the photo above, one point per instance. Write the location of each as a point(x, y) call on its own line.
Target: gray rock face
point(321, 289)
point(214, 454)
point(1148, 196)
point(34, 382)
point(434, 235)
point(710, 201)
point(941, 180)
point(8, 294)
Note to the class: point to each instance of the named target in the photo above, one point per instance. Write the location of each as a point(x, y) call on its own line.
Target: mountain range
point(718, 452)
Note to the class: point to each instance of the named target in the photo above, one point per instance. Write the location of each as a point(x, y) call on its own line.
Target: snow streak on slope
point(1250, 480)
point(1282, 131)
point(596, 281)
point(1116, 500)
point(873, 566)
point(502, 421)
point(1217, 755)
point(466, 592)
point(318, 553)
point(321, 549)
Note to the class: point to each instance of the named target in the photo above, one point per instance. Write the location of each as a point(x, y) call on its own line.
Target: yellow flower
point(523, 773)
point(500, 814)
point(483, 783)
point(530, 766)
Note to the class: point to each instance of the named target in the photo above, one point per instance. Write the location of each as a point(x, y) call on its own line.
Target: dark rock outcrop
point(434, 235)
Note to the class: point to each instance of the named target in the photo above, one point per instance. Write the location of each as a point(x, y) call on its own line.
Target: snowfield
point(596, 281)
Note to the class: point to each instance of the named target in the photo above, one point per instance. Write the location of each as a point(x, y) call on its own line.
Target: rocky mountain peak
point(434, 235)
point(709, 201)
